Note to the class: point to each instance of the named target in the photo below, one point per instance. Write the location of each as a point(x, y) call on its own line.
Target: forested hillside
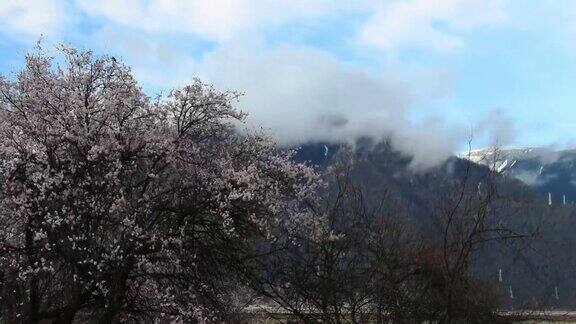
point(535, 271)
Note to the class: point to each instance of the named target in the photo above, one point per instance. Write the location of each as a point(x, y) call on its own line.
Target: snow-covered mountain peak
point(502, 159)
point(553, 172)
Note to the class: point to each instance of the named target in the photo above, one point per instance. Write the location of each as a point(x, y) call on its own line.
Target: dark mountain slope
point(534, 269)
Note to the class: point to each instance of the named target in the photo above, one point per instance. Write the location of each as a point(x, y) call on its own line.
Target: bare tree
point(371, 260)
point(470, 214)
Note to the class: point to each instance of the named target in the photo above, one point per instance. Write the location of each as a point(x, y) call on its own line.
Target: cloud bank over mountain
point(302, 94)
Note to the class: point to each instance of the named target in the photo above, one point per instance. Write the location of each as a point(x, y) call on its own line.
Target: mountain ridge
point(419, 194)
point(548, 171)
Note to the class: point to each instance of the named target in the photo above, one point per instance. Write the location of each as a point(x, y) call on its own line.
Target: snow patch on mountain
point(504, 159)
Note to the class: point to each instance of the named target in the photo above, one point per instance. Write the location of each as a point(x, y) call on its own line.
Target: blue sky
point(427, 73)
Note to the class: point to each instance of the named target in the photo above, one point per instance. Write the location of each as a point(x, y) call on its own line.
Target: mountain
point(545, 170)
point(523, 175)
point(377, 164)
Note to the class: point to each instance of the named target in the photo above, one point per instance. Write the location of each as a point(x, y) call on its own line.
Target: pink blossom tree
point(117, 206)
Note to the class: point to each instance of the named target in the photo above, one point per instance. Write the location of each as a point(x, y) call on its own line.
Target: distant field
point(265, 315)
point(554, 316)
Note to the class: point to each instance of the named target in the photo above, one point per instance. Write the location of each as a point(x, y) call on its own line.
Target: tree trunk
point(34, 305)
point(69, 314)
point(115, 299)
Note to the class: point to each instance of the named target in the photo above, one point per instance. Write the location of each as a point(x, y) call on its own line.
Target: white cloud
point(217, 20)
point(32, 17)
point(303, 94)
point(429, 24)
point(432, 24)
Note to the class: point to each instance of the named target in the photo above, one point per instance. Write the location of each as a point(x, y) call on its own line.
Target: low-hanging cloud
point(302, 94)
